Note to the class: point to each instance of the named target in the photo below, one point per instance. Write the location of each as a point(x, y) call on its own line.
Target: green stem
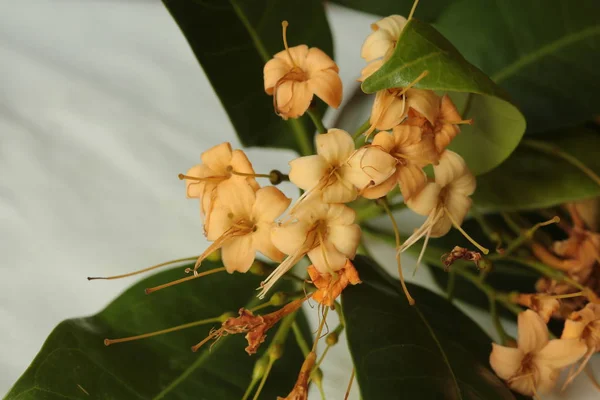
point(450, 285)
point(527, 235)
point(317, 121)
point(552, 150)
point(487, 229)
point(362, 129)
point(300, 339)
point(546, 270)
point(301, 136)
point(504, 337)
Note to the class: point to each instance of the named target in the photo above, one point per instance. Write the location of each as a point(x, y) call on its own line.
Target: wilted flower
point(391, 106)
point(300, 390)
point(219, 164)
point(380, 44)
point(240, 224)
point(533, 367)
point(330, 285)
point(412, 152)
point(544, 305)
point(337, 169)
point(586, 213)
point(325, 232)
point(297, 73)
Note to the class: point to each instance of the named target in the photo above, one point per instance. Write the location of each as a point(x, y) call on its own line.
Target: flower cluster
point(414, 127)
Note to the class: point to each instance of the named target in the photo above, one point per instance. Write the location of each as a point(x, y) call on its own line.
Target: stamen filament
point(568, 295)
point(353, 370)
point(249, 174)
point(320, 330)
point(284, 25)
point(197, 178)
point(385, 206)
point(465, 234)
point(91, 278)
point(413, 83)
point(108, 342)
point(210, 336)
point(460, 122)
point(412, 11)
point(187, 278)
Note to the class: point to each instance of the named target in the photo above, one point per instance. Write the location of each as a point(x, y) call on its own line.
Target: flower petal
point(412, 180)
point(301, 97)
point(238, 196)
point(339, 214)
point(298, 54)
point(426, 102)
point(218, 158)
point(338, 191)
point(327, 259)
point(240, 163)
point(533, 332)
point(336, 146)
point(274, 70)
point(217, 222)
point(345, 238)
point(327, 85)
point(375, 192)
point(317, 60)
point(385, 140)
point(559, 353)
point(370, 69)
point(261, 240)
point(270, 203)
point(306, 172)
point(573, 329)
point(369, 164)
point(505, 361)
point(377, 45)
point(426, 200)
point(194, 188)
point(450, 167)
point(289, 237)
point(238, 254)
point(546, 379)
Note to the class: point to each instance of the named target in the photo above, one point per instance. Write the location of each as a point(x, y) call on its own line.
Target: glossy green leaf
point(429, 11)
point(545, 53)
point(75, 364)
point(427, 351)
point(531, 178)
point(498, 125)
point(233, 39)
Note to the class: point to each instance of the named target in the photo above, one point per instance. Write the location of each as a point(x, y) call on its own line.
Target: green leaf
point(498, 125)
point(531, 178)
point(74, 360)
point(427, 351)
point(233, 40)
point(544, 53)
point(429, 11)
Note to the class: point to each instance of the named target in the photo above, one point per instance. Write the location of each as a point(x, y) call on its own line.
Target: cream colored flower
point(533, 367)
point(412, 152)
point(583, 325)
point(391, 106)
point(297, 73)
point(544, 305)
point(337, 171)
point(240, 224)
point(380, 44)
point(219, 164)
point(445, 201)
point(325, 232)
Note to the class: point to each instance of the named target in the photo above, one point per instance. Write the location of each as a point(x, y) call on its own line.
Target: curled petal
point(369, 164)
point(338, 214)
point(533, 332)
point(194, 188)
point(573, 329)
point(327, 85)
point(450, 167)
point(377, 45)
point(296, 102)
point(426, 102)
point(384, 140)
point(261, 240)
point(274, 70)
point(317, 60)
point(412, 180)
point(338, 190)
point(270, 203)
point(336, 146)
point(290, 237)
point(559, 353)
point(505, 361)
point(345, 238)
point(218, 158)
point(392, 24)
point(370, 69)
point(426, 200)
point(306, 172)
point(238, 254)
point(326, 258)
point(388, 110)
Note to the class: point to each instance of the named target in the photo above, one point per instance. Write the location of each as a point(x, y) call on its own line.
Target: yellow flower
point(240, 224)
point(544, 305)
point(412, 152)
point(337, 172)
point(533, 366)
point(297, 73)
point(325, 232)
point(380, 44)
point(219, 164)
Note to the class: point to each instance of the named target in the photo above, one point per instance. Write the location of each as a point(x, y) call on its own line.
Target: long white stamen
point(422, 253)
point(284, 267)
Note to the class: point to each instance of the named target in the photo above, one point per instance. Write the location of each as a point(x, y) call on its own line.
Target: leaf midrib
point(544, 51)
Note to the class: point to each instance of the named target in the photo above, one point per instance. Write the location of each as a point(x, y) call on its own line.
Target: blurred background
point(102, 104)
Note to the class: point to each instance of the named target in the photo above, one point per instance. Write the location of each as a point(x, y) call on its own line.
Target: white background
point(102, 104)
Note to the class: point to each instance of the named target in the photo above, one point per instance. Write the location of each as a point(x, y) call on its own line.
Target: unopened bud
point(317, 375)
point(275, 352)
point(276, 177)
point(259, 268)
point(332, 338)
point(260, 367)
point(278, 299)
point(485, 265)
point(214, 256)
